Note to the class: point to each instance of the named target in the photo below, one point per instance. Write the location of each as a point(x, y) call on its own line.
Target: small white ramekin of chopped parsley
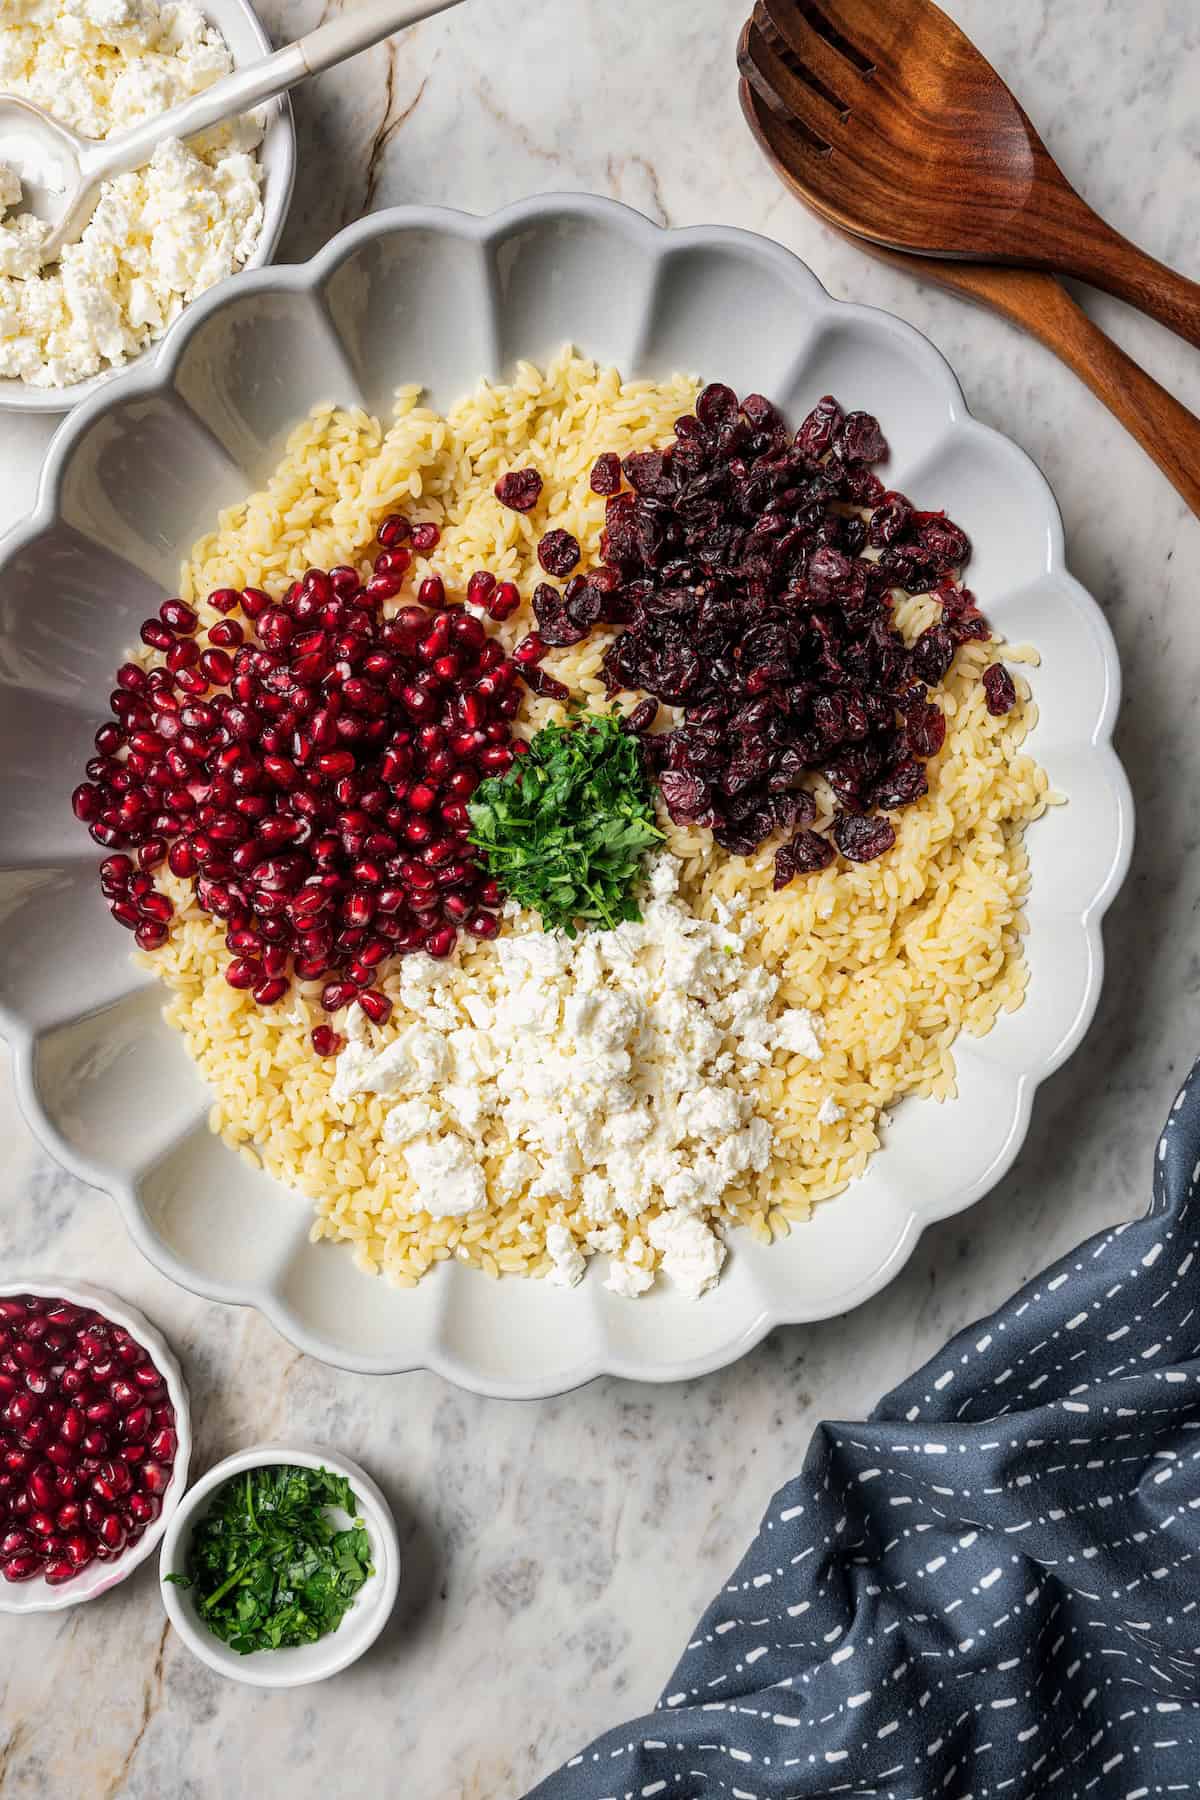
point(280, 1556)
point(566, 830)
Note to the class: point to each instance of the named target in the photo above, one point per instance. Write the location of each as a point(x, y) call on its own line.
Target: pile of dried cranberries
point(87, 1439)
point(306, 763)
point(736, 566)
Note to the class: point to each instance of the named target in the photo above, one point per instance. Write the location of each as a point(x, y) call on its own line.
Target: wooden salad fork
point(1165, 429)
point(911, 139)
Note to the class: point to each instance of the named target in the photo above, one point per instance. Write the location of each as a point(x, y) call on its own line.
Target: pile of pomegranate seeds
point(87, 1439)
point(306, 764)
point(736, 566)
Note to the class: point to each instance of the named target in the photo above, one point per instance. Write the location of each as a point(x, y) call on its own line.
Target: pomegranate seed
point(182, 655)
point(164, 1444)
point(505, 601)
point(111, 1533)
point(23, 1567)
point(377, 1006)
point(86, 802)
point(155, 1478)
point(218, 666)
point(326, 1041)
point(79, 1551)
point(226, 634)
point(393, 562)
point(336, 995)
point(269, 991)
point(178, 616)
point(530, 650)
point(425, 538)
point(394, 530)
point(440, 942)
point(144, 1508)
point(432, 591)
point(335, 762)
point(242, 973)
point(156, 635)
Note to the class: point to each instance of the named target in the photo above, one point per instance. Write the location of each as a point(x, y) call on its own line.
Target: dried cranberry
point(932, 654)
point(519, 490)
point(862, 839)
point(606, 474)
point(1000, 691)
point(558, 553)
point(904, 782)
point(860, 440)
point(805, 854)
point(926, 730)
point(817, 433)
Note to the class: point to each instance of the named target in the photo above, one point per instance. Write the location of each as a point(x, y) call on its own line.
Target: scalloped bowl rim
point(35, 1596)
point(155, 374)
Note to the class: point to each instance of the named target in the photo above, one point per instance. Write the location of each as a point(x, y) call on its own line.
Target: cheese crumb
point(692, 1255)
point(628, 1279)
point(449, 1181)
point(799, 1033)
point(829, 1112)
point(564, 1253)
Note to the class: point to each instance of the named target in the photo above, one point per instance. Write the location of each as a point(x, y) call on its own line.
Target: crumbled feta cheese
point(618, 1067)
point(449, 1182)
point(516, 1172)
point(628, 1279)
point(829, 1111)
point(159, 235)
point(799, 1033)
point(410, 1119)
point(692, 1255)
point(566, 1256)
point(610, 1238)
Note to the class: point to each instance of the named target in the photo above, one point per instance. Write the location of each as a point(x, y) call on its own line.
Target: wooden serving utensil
point(1166, 430)
point(906, 135)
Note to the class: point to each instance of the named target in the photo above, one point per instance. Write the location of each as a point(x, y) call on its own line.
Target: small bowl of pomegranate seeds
point(94, 1442)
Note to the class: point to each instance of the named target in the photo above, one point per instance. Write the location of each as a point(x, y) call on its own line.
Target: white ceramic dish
point(99, 1577)
point(247, 39)
point(364, 1619)
point(137, 473)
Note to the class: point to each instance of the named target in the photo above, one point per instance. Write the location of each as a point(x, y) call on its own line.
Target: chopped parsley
point(270, 1568)
point(565, 830)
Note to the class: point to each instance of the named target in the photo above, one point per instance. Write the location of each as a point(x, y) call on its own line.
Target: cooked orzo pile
point(862, 974)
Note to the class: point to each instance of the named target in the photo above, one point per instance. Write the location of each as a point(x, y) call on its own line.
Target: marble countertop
point(557, 1553)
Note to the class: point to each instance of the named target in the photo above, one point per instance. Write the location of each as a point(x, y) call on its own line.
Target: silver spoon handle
point(367, 24)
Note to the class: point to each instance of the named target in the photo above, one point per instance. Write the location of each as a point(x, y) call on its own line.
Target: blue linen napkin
point(991, 1588)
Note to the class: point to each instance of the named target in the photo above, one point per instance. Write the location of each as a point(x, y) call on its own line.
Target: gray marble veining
point(557, 1553)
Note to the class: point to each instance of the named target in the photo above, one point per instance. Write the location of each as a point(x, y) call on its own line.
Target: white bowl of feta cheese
point(160, 236)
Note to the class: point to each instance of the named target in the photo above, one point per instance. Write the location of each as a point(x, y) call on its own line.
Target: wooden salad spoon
point(911, 139)
point(1165, 429)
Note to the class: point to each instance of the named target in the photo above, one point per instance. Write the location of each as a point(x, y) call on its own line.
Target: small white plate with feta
point(108, 1086)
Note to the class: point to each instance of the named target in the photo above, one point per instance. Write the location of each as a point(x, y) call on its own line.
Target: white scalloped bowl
point(136, 474)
